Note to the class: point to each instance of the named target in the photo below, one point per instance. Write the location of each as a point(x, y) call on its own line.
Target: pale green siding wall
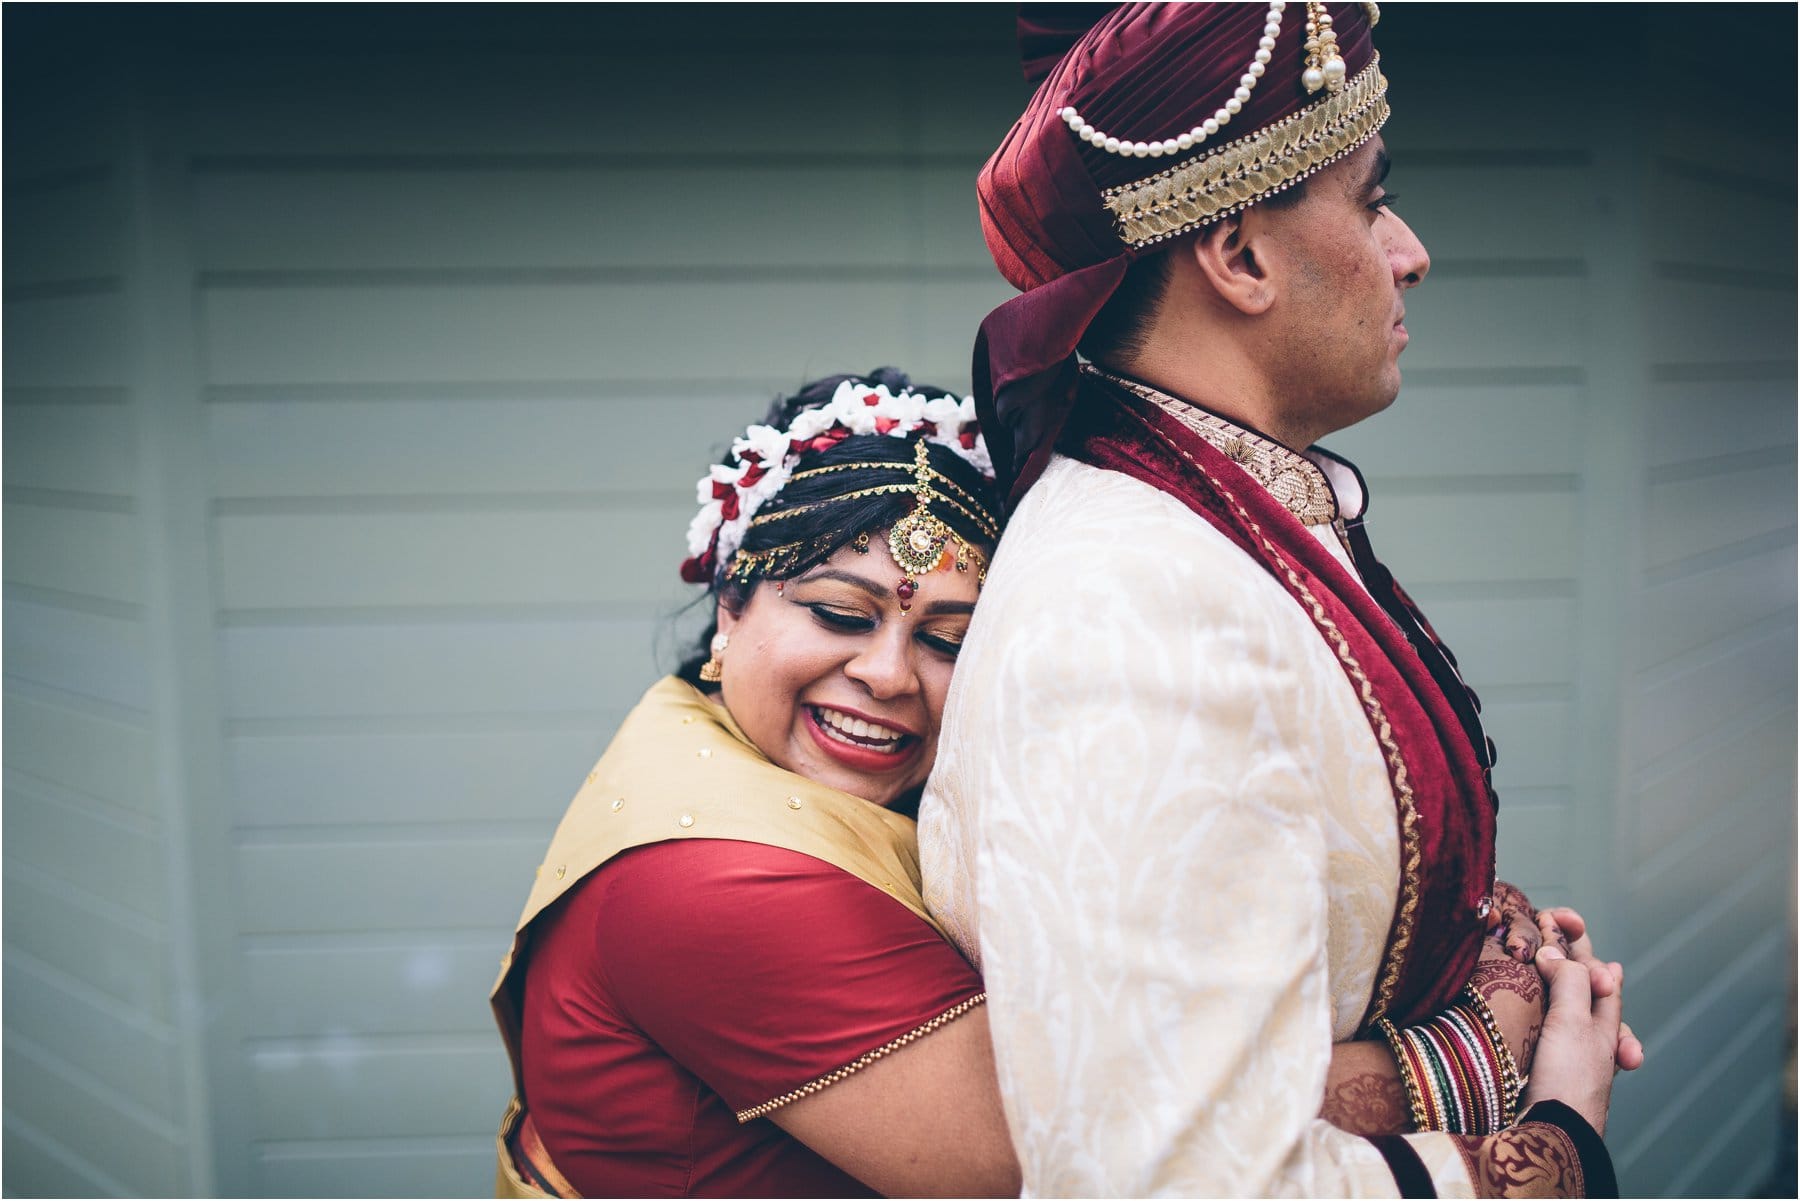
point(358, 372)
point(96, 1043)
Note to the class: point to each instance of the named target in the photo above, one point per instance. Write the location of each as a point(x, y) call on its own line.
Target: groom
point(1211, 796)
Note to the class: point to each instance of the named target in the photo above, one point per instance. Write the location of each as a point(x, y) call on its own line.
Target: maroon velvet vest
point(1439, 764)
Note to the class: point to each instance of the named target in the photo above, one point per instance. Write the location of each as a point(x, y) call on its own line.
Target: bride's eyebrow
point(863, 583)
point(880, 591)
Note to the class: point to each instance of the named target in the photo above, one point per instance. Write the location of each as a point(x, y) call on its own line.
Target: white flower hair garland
point(764, 457)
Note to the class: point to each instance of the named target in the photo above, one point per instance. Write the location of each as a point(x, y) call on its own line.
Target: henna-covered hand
point(1367, 1102)
point(1514, 923)
point(1515, 993)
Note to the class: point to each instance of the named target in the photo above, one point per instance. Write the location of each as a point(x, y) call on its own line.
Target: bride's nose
point(884, 663)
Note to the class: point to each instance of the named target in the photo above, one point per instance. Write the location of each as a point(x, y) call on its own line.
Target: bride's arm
point(923, 1121)
point(1363, 1090)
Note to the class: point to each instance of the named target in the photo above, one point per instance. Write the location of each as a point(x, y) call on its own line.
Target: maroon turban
point(1063, 218)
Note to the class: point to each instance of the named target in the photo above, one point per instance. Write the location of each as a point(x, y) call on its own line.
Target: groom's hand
point(1567, 929)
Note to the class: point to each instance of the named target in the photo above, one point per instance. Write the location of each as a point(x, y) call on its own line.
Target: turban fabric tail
point(1025, 367)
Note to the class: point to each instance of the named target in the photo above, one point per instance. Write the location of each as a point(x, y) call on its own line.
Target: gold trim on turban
point(1238, 174)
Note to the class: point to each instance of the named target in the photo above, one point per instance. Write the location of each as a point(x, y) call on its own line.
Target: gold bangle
point(1407, 1077)
point(1510, 1083)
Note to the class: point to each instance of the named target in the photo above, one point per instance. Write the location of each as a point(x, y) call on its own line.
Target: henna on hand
point(1367, 1103)
point(1498, 979)
point(1515, 922)
point(1554, 934)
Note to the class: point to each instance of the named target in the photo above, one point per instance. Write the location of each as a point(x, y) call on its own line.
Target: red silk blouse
point(686, 982)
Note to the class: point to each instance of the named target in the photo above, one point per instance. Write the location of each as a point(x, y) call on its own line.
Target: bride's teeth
point(856, 727)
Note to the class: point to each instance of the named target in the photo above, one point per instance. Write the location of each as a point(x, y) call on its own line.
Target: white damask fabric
point(1161, 827)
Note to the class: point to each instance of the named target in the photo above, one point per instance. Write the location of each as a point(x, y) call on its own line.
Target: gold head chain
point(920, 542)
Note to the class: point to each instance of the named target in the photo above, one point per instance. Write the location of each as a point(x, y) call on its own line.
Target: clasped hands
point(1573, 1044)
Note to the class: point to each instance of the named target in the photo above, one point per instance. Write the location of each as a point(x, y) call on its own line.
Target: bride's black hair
point(831, 527)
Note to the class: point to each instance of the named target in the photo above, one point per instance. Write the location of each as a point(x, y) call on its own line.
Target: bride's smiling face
point(831, 680)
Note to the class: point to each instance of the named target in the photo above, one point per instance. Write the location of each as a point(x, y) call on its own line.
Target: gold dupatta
point(680, 767)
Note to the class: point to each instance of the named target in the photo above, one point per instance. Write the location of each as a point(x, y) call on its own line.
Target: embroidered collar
point(1290, 477)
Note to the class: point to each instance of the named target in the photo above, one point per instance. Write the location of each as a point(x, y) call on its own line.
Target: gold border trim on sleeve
point(1238, 174)
point(861, 1061)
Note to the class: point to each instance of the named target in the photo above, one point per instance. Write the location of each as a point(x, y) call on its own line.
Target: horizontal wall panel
point(509, 444)
point(1497, 322)
point(123, 961)
point(1535, 739)
point(1714, 319)
point(1518, 123)
point(1732, 834)
point(73, 448)
point(32, 1164)
point(366, 1090)
point(296, 780)
point(1689, 1105)
point(119, 862)
point(949, 229)
point(497, 667)
point(1472, 537)
point(1691, 610)
point(1533, 851)
point(144, 1066)
point(1681, 189)
point(74, 230)
point(1685, 517)
point(322, 887)
point(970, 116)
point(106, 759)
point(1703, 419)
point(1509, 642)
point(949, 314)
point(450, 558)
point(361, 1170)
point(648, 101)
point(76, 651)
point(1738, 685)
point(65, 341)
point(465, 332)
point(93, 553)
point(416, 986)
point(1688, 796)
point(113, 1138)
point(662, 216)
point(1719, 931)
point(1473, 211)
point(1466, 432)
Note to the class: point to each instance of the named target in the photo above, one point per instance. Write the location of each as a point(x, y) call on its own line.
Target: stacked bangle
point(1511, 1083)
point(1458, 1071)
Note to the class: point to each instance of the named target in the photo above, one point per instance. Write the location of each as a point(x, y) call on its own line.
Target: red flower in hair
point(884, 425)
point(698, 569)
point(871, 400)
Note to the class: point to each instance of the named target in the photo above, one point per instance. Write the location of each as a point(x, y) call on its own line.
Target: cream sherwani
point(1160, 825)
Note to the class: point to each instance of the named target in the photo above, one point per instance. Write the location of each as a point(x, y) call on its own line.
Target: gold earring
point(713, 670)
